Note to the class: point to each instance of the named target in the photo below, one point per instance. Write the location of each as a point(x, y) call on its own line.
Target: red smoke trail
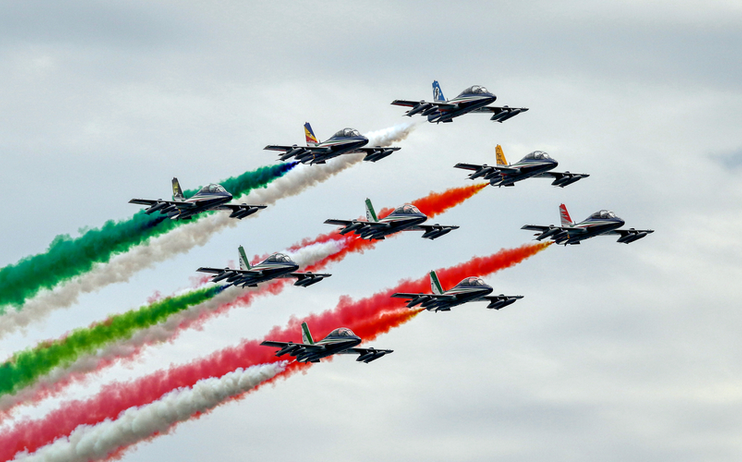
point(368, 317)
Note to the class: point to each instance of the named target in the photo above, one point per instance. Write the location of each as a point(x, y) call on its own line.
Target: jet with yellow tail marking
point(211, 197)
point(340, 341)
point(537, 164)
point(346, 141)
point(471, 289)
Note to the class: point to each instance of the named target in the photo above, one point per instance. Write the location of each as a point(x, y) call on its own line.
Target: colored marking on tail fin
point(437, 92)
point(564, 215)
point(309, 134)
point(435, 284)
point(244, 263)
point(177, 192)
point(306, 336)
point(500, 156)
point(370, 213)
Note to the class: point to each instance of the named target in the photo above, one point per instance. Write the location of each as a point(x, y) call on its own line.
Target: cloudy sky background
point(616, 352)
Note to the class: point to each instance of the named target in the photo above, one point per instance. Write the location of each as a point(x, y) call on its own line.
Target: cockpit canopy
point(475, 90)
point(213, 188)
point(347, 133)
point(604, 214)
point(407, 208)
point(279, 258)
point(472, 281)
point(342, 332)
point(538, 155)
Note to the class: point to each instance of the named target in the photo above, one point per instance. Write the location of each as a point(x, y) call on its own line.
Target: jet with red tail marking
point(339, 341)
point(211, 197)
point(275, 266)
point(471, 289)
point(600, 223)
point(404, 218)
point(346, 141)
point(474, 99)
point(537, 164)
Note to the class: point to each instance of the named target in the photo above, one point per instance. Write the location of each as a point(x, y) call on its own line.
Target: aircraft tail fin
point(309, 134)
point(500, 156)
point(370, 213)
point(564, 215)
point(244, 262)
point(177, 192)
point(435, 284)
point(437, 92)
point(306, 336)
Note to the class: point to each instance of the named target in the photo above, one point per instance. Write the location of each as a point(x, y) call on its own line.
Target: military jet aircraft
point(211, 197)
point(474, 99)
point(404, 218)
point(346, 141)
point(339, 341)
point(471, 289)
point(537, 164)
point(600, 223)
point(276, 266)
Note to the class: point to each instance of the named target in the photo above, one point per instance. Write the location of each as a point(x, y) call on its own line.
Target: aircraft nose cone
point(620, 221)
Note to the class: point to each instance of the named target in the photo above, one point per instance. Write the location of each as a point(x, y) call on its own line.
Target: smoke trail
point(67, 257)
point(367, 317)
point(184, 238)
point(27, 366)
point(137, 424)
point(312, 255)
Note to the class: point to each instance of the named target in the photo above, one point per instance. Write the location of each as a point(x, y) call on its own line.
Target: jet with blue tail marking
point(211, 197)
point(346, 141)
point(275, 266)
point(474, 99)
point(537, 164)
point(471, 289)
point(600, 223)
point(404, 218)
point(340, 341)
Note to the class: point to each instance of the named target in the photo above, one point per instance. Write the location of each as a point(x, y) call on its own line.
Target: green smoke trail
point(25, 367)
point(68, 257)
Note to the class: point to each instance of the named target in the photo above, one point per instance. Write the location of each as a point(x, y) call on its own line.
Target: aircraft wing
point(308, 278)
point(486, 171)
point(433, 231)
point(240, 211)
point(562, 179)
point(501, 114)
point(376, 153)
point(630, 235)
point(303, 154)
point(303, 351)
point(160, 204)
point(367, 354)
point(427, 104)
point(438, 302)
point(501, 301)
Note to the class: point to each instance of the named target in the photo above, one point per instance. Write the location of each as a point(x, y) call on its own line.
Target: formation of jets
point(537, 164)
point(404, 218)
point(475, 99)
point(275, 266)
point(470, 289)
point(600, 223)
point(346, 141)
point(211, 197)
point(340, 341)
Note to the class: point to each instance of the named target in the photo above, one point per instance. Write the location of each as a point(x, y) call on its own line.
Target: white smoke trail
point(81, 369)
point(122, 267)
point(96, 442)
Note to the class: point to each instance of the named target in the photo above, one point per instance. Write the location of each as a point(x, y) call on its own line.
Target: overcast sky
point(617, 352)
